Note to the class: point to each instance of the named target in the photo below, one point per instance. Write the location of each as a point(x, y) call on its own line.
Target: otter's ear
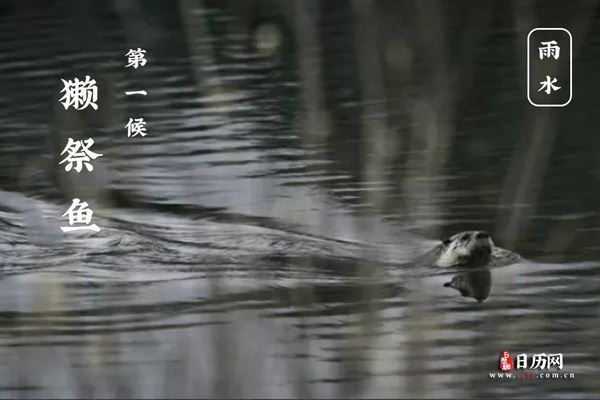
point(446, 242)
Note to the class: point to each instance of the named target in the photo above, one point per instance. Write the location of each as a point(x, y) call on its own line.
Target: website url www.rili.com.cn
point(532, 375)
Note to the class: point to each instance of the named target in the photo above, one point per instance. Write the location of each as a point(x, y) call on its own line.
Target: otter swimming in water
point(475, 251)
point(469, 249)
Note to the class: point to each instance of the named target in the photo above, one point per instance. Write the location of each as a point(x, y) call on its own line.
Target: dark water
point(299, 154)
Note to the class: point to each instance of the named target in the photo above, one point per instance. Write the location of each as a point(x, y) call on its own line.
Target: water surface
point(299, 155)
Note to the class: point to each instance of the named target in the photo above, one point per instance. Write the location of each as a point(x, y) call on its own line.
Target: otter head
point(472, 248)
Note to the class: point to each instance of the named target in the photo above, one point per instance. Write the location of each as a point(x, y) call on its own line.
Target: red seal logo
point(506, 361)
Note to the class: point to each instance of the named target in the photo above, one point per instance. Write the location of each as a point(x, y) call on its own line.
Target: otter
point(468, 249)
point(473, 248)
point(474, 253)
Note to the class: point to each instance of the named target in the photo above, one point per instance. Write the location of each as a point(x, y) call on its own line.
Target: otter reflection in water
point(476, 283)
point(473, 250)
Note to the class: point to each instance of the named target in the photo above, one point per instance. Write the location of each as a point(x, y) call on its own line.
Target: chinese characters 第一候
point(136, 58)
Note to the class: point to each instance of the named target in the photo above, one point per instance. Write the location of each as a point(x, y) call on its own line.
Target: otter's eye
point(482, 235)
point(464, 238)
point(446, 242)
